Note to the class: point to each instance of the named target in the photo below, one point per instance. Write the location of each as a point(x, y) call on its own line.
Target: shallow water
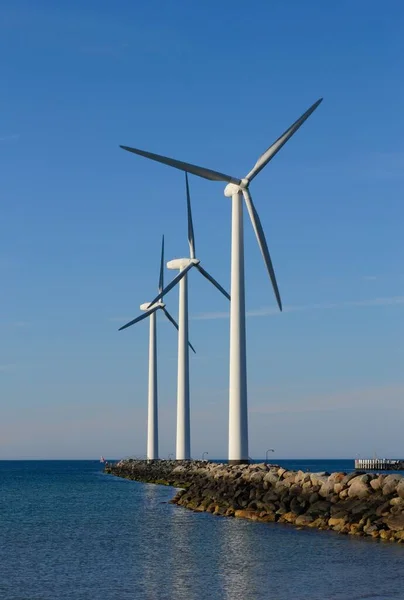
point(67, 531)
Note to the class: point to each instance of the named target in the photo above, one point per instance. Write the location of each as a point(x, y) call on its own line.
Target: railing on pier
point(382, 464)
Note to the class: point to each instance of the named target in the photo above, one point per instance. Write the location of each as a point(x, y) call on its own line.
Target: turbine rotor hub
point(232, 189)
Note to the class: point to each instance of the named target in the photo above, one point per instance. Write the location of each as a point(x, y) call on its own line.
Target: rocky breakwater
point(357, 503)
point(164, 472)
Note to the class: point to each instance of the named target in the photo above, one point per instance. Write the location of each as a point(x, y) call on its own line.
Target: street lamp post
point(269, 450)
point(203, 454)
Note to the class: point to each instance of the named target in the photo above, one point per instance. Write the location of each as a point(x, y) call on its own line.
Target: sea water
point(70, 532)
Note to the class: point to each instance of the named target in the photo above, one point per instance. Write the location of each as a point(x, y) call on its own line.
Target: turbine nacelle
point(146, 306)
point(178, 264)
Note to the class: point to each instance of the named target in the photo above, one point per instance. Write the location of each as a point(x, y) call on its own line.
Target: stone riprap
point(358, 503)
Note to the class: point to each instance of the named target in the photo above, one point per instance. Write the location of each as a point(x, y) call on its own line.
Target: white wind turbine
point(150, 310)
point(183, 446)
point(237, 189)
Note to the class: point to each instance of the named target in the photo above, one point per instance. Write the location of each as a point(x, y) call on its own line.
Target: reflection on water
point(77, 534)
point(237, 549)
point(183, 558)
point(149, 553)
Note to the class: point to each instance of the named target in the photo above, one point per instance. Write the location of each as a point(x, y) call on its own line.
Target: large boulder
point(400, 489)
point(337, 523)
point(321, 507)
point(319, 478)
point(246, 514)
point(327, 488)
point(271, 478)
point(304, 520)
point(395, 522)
point(257, 477)
point(377, 483)
point(179, 469)
point(358, 487)
point(350, 476)
point(391, 483)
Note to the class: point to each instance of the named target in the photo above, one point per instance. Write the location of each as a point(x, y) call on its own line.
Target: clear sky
point(212, 83)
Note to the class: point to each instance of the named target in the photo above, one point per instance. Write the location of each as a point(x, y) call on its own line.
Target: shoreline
point(356, 503)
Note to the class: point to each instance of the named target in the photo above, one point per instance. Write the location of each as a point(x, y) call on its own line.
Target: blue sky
point(82, 221)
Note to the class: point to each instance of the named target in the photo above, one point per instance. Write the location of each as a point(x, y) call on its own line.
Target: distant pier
point(379, 464)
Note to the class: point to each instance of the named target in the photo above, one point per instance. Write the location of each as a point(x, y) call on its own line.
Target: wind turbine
point(183, 448)
point(150, 310)
point(237, 189)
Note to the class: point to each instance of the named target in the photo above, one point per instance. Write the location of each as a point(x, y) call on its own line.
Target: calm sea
point(69, 532)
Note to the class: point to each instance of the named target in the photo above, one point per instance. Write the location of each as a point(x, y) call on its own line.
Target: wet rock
point(385, 534)
point(304, 520)
point(395, 522)
point(268, 517)
point(337, 524)
point(288, 517)
point(246, 514)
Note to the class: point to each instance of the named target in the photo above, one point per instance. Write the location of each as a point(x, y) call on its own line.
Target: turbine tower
point(150, 310)
point(183, 446)
point(236, 189)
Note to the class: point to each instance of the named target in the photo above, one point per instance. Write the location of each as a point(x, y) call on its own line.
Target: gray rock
point(271, 478)
point(257, 477)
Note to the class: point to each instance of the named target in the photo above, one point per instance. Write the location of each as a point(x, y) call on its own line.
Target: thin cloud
point(271, 311)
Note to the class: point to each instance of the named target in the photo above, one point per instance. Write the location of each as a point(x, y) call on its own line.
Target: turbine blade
point(276, 146)
point(172, 284)
point(262, 243)
point(140, 318)
point(183, 166)
point(173, 321)
point(191, 237)
point(212, 280)
point(161, 279)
